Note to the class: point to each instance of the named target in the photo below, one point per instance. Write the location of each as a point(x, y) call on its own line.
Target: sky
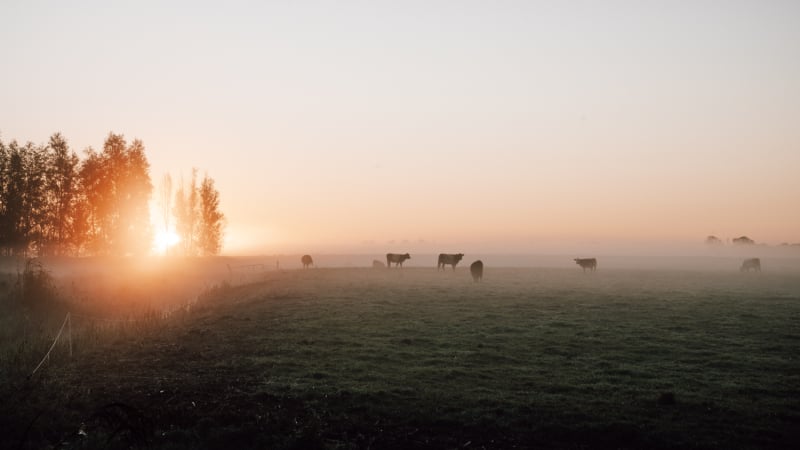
point(427, 126)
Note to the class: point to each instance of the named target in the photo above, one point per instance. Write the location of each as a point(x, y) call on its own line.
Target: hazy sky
point(469, 125)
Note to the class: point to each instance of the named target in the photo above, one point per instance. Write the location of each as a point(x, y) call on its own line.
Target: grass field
point(415, 358)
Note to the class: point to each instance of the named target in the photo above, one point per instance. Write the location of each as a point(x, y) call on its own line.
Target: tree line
point(54, 203)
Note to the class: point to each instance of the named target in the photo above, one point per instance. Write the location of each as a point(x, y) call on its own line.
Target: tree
point(165, 191)
point(5, 181)
point(62, 192)
point(198, 219)
point(22, 201)
point(135, 201)
point(211, 219)
point(34, 221)
point(117, 186)
point(713, 240)
point(52, 203)
point(187, 215)
point(94, 198)
point(743, 240)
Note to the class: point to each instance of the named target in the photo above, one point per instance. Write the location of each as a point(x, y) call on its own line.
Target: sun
point(163, 240)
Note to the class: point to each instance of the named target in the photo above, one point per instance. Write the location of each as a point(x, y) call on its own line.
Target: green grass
point(414, 358)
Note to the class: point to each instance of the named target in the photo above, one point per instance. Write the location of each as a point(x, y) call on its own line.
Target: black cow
point(396, 258)
point(307, 261)
point(476, 269)
point(751, 264)
point(445, 259)
point(587, 263)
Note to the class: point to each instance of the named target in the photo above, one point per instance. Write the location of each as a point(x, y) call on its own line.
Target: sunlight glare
point(165, 239)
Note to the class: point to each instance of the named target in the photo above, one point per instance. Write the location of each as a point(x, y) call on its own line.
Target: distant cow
point(587, 263)
point(476, 269)
point(445, 259)
point(396, 258)
point(377, 264)
point(307, 261)
point(752, 263)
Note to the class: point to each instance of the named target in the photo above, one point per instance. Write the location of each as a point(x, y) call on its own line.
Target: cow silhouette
point(396, 258)
point(476, 269)
point(751, 264)
point(587, 263)
point(445, 259)
point(307, 261)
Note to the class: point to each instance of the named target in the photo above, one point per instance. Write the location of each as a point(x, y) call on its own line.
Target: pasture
point(346, 358)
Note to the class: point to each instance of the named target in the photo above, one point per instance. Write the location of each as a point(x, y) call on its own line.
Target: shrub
point(35, 284)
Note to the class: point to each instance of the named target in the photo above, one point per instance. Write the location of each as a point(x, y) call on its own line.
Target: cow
point(396, 258)
point(751, 263)
point(377, 264)
point(307, 261)
point(476, 269)
point(587, 263)
point(445, 259)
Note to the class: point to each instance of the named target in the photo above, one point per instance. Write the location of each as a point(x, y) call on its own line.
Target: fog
point(773, 259)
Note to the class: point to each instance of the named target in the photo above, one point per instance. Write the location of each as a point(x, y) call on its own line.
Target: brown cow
point(396, 258)
point(445, 259)
point(476, 269)
point(587, 263)
point(751, 264)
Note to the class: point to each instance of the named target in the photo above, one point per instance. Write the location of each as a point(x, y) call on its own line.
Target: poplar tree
point(187, 213)
point(211, 219)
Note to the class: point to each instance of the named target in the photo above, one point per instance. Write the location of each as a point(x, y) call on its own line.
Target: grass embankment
point(360, 358)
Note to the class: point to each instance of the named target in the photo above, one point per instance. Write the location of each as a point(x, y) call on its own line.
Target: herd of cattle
point(476, 268)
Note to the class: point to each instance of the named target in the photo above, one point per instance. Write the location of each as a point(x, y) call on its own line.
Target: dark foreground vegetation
point(363, 358)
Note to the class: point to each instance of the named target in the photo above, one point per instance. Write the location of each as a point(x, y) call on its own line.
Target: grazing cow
point(396, 258)
point(587, 263)
point(307, 261)
point(752, 263)
point(476, 269)
point(377, 264)
point(445, 259)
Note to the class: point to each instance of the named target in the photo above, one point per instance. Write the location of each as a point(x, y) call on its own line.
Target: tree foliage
point(118, 190)
point(62, 195)
point(198, 218)
point(51, 203)
point(54, 203)
point(186, 215)
point(743, 240)
point(30, 213)
point(211, 218)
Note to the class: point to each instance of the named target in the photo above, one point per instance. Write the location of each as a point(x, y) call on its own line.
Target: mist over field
point(642, 353)
point(408, 225)
point(657, 347)
point(776, 259)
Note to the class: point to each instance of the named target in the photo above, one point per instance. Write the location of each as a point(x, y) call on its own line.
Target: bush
point(35, 284)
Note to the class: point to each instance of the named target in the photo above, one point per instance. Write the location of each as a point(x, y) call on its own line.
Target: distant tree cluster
point(54, 203)
point(741, 240)
point(198, 219)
